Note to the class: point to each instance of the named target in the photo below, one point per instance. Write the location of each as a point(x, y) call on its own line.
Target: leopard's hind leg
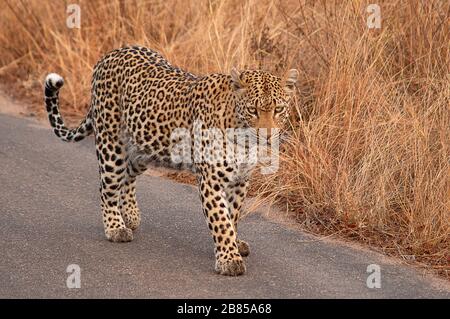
point(128, 202)
point(128, 205)
point(112, 155)
point(112, 163)
point(236, 194)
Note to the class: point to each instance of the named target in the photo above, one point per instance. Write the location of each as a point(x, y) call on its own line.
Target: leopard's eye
point(279, 109)
point(252, 111)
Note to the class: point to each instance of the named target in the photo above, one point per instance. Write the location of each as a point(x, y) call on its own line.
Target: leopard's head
point(263, 100)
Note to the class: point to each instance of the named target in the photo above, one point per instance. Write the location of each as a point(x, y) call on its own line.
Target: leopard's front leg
point(216, 209)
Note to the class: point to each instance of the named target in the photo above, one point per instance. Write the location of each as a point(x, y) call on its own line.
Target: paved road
point(50, 218)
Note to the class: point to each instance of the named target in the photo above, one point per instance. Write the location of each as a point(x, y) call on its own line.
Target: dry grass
point(368, 156)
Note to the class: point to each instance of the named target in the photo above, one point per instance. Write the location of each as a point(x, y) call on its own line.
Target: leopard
point(138, 100)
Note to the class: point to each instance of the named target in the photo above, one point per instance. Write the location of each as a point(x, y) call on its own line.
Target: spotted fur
point(137, 101)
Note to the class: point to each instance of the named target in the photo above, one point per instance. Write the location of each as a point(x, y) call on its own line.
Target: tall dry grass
point(368, 157)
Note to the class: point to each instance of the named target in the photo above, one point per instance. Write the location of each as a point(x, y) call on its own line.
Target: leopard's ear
point(238, 84)
point(290, 80)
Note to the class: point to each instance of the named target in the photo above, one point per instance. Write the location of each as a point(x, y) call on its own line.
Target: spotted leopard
point(138, 100)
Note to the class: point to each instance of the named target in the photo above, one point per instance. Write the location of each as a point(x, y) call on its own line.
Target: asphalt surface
point(50, 218)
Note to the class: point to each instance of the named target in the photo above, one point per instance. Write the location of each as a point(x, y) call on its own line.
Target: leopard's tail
point(53, 82)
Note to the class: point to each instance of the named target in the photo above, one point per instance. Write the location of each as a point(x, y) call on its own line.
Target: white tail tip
point(54, 80)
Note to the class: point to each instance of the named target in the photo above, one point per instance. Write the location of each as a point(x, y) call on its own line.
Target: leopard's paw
point(243, 247)
point(119, 235)
point(132, 219)
point(232, 267)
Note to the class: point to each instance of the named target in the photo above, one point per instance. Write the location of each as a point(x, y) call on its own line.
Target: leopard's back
point(138, 94)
